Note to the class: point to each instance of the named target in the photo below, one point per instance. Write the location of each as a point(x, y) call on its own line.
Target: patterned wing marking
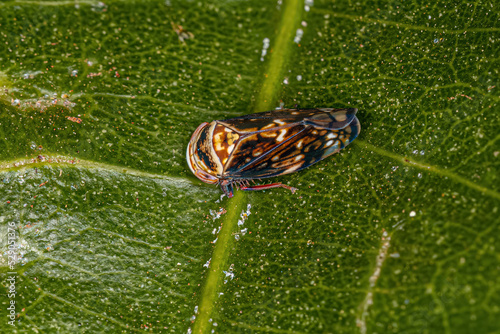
point(306, 148)
point(224, 142)
point(332, 119)
point(328, 118)
point(254, 146)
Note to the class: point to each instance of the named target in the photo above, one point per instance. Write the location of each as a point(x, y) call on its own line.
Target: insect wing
point(256, 145)
point(305, 141)
point(326, 117)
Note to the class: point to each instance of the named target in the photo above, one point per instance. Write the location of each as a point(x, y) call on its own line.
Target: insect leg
point(227, 188)
point(269, 186)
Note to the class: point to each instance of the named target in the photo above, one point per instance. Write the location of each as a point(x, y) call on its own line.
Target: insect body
point(268, 144)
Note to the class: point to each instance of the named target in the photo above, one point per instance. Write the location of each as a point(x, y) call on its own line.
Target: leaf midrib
point(280, 55)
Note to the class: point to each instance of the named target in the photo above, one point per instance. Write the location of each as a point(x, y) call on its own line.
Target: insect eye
point(205, 177)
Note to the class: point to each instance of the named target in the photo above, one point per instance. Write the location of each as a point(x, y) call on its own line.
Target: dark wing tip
point(355, 127)
point(331, 119)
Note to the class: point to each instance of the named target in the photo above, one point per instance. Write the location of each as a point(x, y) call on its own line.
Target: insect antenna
point(269, 186)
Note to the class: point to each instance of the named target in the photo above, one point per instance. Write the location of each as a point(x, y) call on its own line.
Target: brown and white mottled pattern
point(306, 148)
point(224, 142)
point(271, 143)
point(258, 144)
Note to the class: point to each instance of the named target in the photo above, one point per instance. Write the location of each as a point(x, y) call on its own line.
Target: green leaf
point(397, 233)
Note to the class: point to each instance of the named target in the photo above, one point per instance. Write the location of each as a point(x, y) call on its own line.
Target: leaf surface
point(397, 233)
